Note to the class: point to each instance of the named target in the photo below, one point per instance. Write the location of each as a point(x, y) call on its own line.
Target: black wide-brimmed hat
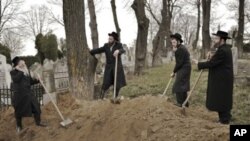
point(15, 61)
point(222, 34)
point(177, 36)
point(114, 35)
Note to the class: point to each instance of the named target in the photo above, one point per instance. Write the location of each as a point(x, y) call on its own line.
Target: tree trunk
point(159, 39)
point(168, 46)
point(206, 39)
point(1, 12)
point(81, 64)
point(118, 29)
point(239, 40)
point(198, 4)
point(93, 24)
point(142, 35)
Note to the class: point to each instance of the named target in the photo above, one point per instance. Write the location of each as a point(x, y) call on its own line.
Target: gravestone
point(243, 76)
point(49, 81)
point(61, 76)
point(235, 59)
point(5, 78)
point(149, 59)
point(48, 75)
point(125, 56)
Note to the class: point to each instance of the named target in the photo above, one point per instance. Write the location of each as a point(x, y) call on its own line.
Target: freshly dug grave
point(148, 118)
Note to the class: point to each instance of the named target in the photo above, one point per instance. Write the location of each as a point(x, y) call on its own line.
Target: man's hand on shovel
point(116, 53)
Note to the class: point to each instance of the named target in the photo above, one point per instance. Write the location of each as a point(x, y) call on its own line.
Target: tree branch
point(149, 9)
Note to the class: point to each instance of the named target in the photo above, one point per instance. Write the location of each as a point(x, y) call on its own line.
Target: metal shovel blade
point(183, 110)
point(115, 101)
point(66, 122)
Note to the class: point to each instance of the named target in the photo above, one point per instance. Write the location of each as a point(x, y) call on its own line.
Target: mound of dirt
point(148, 118)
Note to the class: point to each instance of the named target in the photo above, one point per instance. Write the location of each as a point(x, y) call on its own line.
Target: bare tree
point(247, 11)
point(36, 20)
point(81, 64)
point(235, 6)
point(142, 35)
point(93, 24)
point(9, 11)
point(154, 15)
point(57, 19)
point(186, 26)
point(162, 36)
point(206, 39)
point(198, 5)
point(159, 39)
point(13, 41)
point(241, 24)
point(113, 6)
point(151, 7)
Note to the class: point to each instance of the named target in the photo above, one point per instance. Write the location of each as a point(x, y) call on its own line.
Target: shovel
point(169, 82)
point(183, 111)
point(115, 100)
point(64, 122)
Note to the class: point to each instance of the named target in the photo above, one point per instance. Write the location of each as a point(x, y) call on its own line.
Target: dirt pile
point(146, 118)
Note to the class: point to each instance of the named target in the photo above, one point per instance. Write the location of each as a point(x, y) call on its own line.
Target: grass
point(154, 81)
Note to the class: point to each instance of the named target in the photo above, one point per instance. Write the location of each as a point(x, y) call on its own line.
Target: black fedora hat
point(222, 34)
point(114, 35)
point(177, 36)
point(15, 61)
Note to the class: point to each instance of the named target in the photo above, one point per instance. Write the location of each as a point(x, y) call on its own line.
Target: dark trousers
point(181, 97)
point(224, 117)
point(37, 117)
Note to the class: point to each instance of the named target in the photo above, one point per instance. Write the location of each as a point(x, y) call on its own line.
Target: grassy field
point(154, 81)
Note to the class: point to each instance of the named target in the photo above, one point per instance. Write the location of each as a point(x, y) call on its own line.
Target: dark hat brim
point(114, 35)
point(215, 34)
point(174, 36)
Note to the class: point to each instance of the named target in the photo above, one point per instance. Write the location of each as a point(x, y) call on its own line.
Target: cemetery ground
point(142, 115)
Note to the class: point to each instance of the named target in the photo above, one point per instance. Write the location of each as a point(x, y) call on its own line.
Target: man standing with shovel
point(220, 79)
point(182, 69)
point(24, 101)
point(114, 73)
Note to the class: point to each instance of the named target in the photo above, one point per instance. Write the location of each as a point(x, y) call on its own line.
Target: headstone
point(61, 76)
point(48, 75)
point(125, 56)
point(149, 59)
point(235, 60)
point(5, 78)
point(128, 59)
point(49, 81)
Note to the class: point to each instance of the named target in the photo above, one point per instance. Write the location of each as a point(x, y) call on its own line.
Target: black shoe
point(226, 122)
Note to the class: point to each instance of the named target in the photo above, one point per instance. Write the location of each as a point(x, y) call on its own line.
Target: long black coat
point(182, 69)
point(23, 97)
point(109, 72)
point(220, 80)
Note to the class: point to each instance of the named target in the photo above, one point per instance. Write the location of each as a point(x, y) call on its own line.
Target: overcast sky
point(105, 22)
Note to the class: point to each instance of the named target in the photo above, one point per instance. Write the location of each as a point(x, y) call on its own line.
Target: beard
point(111, 43)
point(25, 70)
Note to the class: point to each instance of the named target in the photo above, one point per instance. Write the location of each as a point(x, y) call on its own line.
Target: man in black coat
point(112, 49)
point(182, 69)
point(220, 79)
point(24, 101)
